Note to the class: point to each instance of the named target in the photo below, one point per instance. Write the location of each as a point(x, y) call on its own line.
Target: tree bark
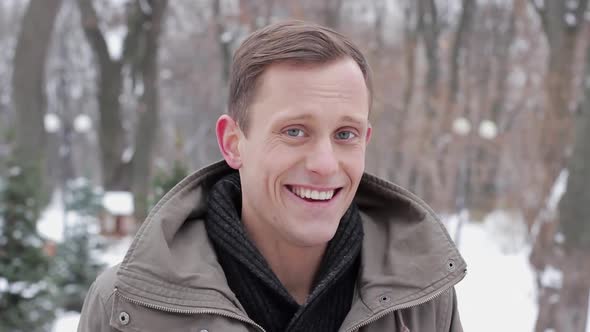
point(429, 29)
point(332, 13)
point(115, 172)
point(562, 41)
point(148, 110)
point(565, 308)
point(461, 37)
point(28, 81)
point(140, 53)
point(224, 41)
point(410, 44)
point(485, 191)
point(554, 135)
point(574, 208)
point(503, 56)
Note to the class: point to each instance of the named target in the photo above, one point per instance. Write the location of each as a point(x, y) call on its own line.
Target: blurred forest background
point(480, 105)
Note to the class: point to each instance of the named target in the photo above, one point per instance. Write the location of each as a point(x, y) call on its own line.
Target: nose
point(322, 159)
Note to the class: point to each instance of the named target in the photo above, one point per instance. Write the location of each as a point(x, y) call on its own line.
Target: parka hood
point(407, 255)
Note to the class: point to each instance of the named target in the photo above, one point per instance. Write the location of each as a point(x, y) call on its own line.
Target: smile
point(313, 194)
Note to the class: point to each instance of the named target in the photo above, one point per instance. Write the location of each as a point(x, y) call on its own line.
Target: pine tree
point(25, 301)
point(164, 181)
point(76, 266)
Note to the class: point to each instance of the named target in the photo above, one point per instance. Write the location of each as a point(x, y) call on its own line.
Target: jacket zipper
point(404, 306)
point(191, 312)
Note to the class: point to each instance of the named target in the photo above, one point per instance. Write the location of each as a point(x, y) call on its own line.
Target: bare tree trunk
point(140, 54)
point(488, 155)
point(574, 208)
point(225, 39)
point(410, 44)
point(564, 308)
point(562, 39)
point(255, 13)
point(561, 26)
point(569, 312)
point(553, 134)
point(332, 13)
point(110, 85)
point(28, 83)
point(503, 55)
point(429, 29)
point(461, 37)
point(146, 132)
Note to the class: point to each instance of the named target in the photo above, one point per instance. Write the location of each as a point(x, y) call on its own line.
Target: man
point(287, 233)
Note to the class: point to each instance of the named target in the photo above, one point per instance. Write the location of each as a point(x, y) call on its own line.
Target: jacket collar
point(407, 255)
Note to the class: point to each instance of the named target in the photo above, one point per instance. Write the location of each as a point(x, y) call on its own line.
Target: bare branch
point(580, 10)
point(93, 33)
point(224, 38)
point(468, 11)
point(542, 12)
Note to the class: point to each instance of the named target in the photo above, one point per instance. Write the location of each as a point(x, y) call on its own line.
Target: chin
point(315, 236)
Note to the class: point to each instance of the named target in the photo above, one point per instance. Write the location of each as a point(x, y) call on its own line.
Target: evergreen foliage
point(76, 266)
point(164, 181)
point(25, 300)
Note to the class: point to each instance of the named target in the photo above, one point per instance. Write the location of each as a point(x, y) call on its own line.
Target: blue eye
point(345, 135)
point(294, 132)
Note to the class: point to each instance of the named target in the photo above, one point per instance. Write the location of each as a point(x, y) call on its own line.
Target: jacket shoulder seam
point(191, 179)
point(105, 285)
point(404, 193)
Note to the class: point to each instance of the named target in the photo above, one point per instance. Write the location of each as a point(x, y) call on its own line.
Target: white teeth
point(329, 194)
point(313, 194)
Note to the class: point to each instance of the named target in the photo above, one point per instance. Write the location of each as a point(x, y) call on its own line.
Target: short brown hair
point(289, 41)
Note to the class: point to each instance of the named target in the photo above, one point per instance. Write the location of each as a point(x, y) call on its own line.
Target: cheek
point(279, 157)
point(354, 163)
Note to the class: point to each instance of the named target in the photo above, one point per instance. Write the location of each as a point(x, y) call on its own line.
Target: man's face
point(304, 152)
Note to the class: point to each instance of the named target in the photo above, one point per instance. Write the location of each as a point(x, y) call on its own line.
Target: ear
point(369, 133)
point(228, 138)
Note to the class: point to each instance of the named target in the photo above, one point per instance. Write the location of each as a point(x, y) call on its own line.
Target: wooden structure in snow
point(116, 218)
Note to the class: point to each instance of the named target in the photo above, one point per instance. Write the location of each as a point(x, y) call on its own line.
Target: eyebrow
point(307, 116)
point(354, 120)
point(286, 117)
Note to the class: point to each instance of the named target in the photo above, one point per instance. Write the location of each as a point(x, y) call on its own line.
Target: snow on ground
point(498, 293)
point(67, 322)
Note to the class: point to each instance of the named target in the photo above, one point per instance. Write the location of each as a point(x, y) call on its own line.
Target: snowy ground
point(498, 293)
point(67, 322)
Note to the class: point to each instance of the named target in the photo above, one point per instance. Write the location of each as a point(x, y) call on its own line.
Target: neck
point(295, 266)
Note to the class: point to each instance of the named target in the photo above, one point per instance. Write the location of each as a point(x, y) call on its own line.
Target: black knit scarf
point(259, 290)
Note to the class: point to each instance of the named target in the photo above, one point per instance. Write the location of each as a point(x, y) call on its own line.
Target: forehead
point(342, 72)
point(295, 87)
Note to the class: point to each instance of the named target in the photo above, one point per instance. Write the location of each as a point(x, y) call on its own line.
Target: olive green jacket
point(170, 279)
